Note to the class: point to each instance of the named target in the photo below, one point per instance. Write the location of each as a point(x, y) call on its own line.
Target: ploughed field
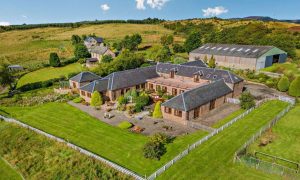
point(214, 158)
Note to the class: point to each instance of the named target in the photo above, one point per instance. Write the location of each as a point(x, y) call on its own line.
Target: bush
point(122, 100)
point(78, 100)
point(294, 89)
point(283, 84)
point(247, 100)
point(96, 100)
point(157, 110)
point(177, 48)
point(125, 125)
point(54, 60)
point(160, 138)
point(154, 150)
point(106, 59)
point(81, 51)
point(38, 85)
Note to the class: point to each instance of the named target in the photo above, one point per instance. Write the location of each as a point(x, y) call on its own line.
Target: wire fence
point(242, 156)
point(77, 148)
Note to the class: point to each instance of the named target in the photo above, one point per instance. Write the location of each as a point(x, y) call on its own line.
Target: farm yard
point(48, 73)
point(214, 158)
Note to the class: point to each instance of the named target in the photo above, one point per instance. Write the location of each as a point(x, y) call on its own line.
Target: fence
point(81, 150)
point(243, 150)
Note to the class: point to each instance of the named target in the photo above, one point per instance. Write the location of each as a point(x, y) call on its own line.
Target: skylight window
point(240, 49)
point(215, 76)
point(207, 47)
point(226, 49)
point(208, 75)
point(201, 47)
point(219, 48)
point(247, 50)
point(232, 49)
point(255, 50)
point(213, 48)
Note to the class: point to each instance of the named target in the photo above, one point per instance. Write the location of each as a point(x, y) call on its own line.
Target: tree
point(75, 39)
point(132, 42)
point(177, 48)
point(294, 89)
point(157, 110)
point(247, 100)
point(166, 40)
point(96, 100)
point(6, 77)
point(283, 84)
point(192, 42)
point(154, 150)
point(81, 51)
point(160, 54)
point(212, 62)
point(54, 60)
point(106, 59)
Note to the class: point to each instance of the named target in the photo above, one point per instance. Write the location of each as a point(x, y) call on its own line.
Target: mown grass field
point(7, 172)
point(49, 73)
point(228, 118)
point(214, 159)
point(28, 47)
point(120, 146)
point(286, 141)
point(37, 157)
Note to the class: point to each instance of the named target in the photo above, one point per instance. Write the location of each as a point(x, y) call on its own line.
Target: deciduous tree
point(54, 60)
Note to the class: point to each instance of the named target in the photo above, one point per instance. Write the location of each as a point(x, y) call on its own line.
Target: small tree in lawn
point(283, 84)
point(157, 110)
point(294, 89)
point(247, 100)
point(54, 60)
point(212, 62)
point(96, 100)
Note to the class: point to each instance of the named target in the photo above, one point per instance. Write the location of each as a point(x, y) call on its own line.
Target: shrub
point(177, 48)
point(81, 51)
point(157, 110)
point(54, 60)
point(145, 65)
point(78, 100)
point(212, 62)
point(125, 125)
point(106, 59)
point(283, 84)
point(160, 138)
point(138, 107)
point(122, 100)
point(154, 150)
point(96, 100)
point(294, 89)
point(247, 100)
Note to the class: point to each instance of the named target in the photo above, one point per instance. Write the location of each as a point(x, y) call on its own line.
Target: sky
point(50, 11)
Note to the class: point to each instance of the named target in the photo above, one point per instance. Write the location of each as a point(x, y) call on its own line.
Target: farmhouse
point(196, 89)
point(82, 79)
point(240, 56)
point(99, 51)
point(90, 42)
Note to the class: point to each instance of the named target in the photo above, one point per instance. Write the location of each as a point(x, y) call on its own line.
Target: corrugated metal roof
point(248, 51)
point(197, 63)
point(196, 97)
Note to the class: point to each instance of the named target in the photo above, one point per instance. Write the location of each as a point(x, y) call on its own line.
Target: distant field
point(286, 142)
point(27, 47)
point(214, 158)
point(49, 73)
point(7, 172)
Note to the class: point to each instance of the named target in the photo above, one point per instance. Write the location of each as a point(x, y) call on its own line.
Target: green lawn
point(7, 172)
point(214, 158)
point(228, 118)
point(287, 137)
point(49, 73)
point(120, 146)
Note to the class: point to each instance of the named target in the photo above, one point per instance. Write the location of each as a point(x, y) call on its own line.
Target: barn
point(240, 56)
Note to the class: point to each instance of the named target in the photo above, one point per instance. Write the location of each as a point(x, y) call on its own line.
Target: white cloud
point(24, 16)
point(105, 7)
point(209, 12)
point(156, 4)
point(140, 4)
point(4, 23)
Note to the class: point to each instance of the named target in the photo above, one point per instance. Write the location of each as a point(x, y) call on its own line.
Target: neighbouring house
point(15, 68)
point(240, 56)
point(200, 89)
point(82, 79)
point(91, 62)
point(90, 42)
point(99, 51)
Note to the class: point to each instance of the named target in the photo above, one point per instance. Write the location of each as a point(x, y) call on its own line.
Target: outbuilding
point(240, 56)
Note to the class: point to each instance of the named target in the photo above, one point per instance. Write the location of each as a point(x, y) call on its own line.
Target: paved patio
point(150, 124)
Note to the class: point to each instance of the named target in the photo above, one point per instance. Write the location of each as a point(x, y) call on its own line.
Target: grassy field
point(37, 157)
point(7, 172)
point(120, 146)
point(49, 73)
point(286, 141)
point(33, 46)
point(214, 159)
point(286, 68)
